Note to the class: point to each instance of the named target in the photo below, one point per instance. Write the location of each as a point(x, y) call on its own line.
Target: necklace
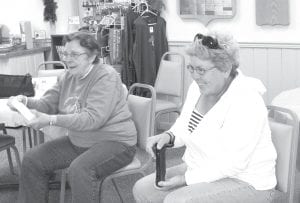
point(89, 70)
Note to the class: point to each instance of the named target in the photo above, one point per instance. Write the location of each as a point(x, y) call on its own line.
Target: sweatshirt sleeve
point(100, 103)
point(48, 103)
point(242, 130)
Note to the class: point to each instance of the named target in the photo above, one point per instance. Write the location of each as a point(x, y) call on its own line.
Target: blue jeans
point(87, 167)
point(223, 191)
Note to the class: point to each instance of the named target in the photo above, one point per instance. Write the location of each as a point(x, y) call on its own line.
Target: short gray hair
point(86, 40)
point(224, 58)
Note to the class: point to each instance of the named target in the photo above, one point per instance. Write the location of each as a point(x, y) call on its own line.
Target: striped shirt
point(195, 119)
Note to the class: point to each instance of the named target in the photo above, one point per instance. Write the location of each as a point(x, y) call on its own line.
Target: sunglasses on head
point(207, 41)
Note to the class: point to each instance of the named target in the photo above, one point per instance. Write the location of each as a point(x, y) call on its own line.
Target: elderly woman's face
point(76, 57)
point(209, 78)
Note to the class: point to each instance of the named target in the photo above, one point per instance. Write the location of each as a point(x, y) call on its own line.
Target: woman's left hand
point(41, 120)
point(173, 182)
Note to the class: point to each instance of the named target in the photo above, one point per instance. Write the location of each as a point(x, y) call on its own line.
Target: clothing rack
point(105, 10)
point(142, 7)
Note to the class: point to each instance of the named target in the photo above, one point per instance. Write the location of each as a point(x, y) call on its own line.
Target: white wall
point(14, 11)
point(242, 26)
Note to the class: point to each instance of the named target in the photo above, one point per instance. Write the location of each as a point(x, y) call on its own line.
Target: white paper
point(23, 110)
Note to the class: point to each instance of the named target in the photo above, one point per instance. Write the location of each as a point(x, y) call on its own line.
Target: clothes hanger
point(147, 10)
point(134, 5)
point(108, 20)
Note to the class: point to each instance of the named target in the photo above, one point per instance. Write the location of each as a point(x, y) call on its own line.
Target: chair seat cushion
point(163, 105)
point(278, 196)
point(133, 165)
point(6, 140)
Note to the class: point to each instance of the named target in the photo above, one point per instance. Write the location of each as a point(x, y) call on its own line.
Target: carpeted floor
point(125, 184)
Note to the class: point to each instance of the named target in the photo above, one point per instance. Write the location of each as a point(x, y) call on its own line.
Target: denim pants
point(223, 191)
point(87, 167)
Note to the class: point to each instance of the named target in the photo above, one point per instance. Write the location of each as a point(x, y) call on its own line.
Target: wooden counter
point(24, 52)
point(20, 62)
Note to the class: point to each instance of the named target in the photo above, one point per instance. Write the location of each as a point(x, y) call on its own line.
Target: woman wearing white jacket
point(229, 154)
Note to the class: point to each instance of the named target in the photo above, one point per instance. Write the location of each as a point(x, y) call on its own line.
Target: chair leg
point(11, 166)
point(35, 139)
point(100, 190)
point(18, 160)
point(24, 139)
point(41, 137)
point(117, 189)
point(29, 138)
point(63, 186)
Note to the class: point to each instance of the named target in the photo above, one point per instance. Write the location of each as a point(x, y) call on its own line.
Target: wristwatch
point(52, 120)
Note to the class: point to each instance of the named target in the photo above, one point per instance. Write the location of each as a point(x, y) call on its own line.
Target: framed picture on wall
point(207, 10)
point(272, 12)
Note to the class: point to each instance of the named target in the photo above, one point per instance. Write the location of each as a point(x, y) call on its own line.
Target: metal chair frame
point(36, 137)
point(141, 155)
point(289, 118)
point(9, 146)
point(157, 86)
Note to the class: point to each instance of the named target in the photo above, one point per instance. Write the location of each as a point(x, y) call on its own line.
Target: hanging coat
point(149, 46)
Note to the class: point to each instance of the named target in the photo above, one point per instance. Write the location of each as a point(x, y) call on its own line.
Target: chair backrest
point(3, 129)
point(285, 139)
point(170, 76)
point(143, 113)
point(50, 72)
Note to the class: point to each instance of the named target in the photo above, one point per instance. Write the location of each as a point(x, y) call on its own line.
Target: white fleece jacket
point(232, 140)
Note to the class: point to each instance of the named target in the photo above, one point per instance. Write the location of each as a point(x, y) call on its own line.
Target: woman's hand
point(41, 120)
point(174, 182)
point(160, 139)
point(19, 98)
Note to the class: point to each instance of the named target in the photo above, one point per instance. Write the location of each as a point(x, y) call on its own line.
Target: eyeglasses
point(198, 70)
point(207, 41)
point(72, 54)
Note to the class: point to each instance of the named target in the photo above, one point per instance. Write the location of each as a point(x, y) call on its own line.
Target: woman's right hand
point(160, 139)
point(20, 98)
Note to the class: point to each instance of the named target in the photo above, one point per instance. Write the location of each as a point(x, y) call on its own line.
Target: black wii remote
point(160, 163)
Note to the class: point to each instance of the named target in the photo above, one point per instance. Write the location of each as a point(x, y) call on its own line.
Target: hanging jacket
point(149, 46)
point(233, 140)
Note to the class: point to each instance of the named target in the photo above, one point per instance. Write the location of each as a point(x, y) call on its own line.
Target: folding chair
point(7, 142)
point(285, 130)
point(143, 115)
point(169, 84)
point(50, 72)
point(45, 78)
